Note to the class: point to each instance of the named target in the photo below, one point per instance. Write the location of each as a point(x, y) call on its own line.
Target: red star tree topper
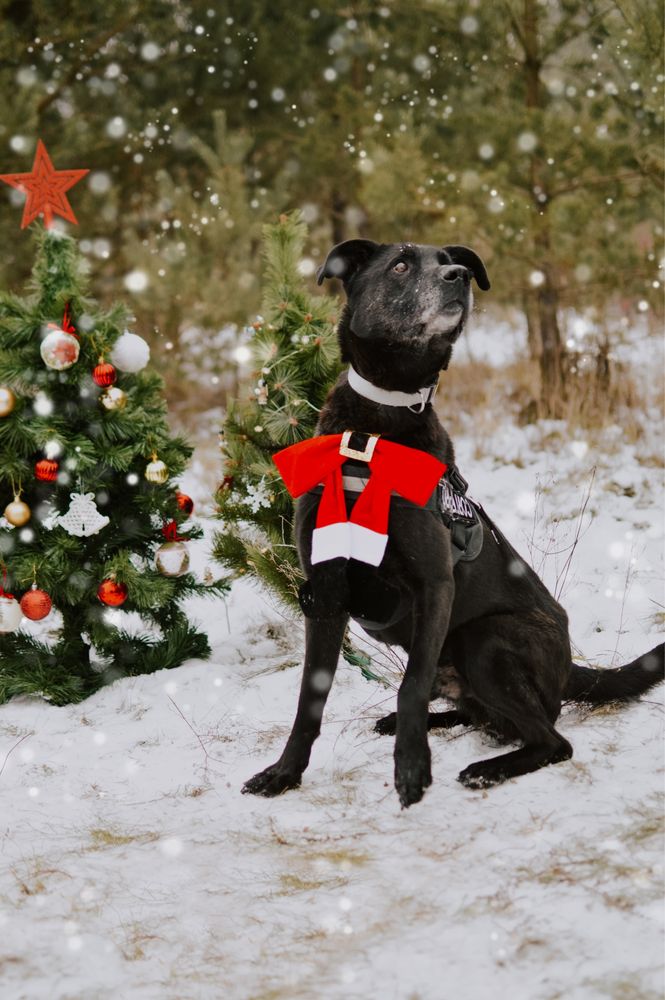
point(45, 189)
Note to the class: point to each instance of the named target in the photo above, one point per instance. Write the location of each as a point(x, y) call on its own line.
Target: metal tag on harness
point(455, 504)
point(460, 516)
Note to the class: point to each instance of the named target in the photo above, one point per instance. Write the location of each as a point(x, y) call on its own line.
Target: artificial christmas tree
point(296, 359)
point(83, 517)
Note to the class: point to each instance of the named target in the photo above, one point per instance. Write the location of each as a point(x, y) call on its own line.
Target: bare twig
point(11, 750)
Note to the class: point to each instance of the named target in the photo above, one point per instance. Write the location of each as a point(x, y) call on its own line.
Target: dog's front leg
point(412, 754)
point(323, 642)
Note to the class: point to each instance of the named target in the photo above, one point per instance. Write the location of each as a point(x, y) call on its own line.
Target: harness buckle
point(361, 456)
point(456, 479)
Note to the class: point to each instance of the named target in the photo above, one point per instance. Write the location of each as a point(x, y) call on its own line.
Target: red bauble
point(46, 470)
point(36, 604)
point(112, 593)
point(104, 374)
point(185, 503)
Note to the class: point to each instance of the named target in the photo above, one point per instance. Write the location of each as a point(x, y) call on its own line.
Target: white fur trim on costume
point(366, 545)
point(331, 542)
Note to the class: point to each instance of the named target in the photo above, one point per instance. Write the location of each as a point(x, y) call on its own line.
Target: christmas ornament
point(45, 187)
point(113, 398)
point(130, 353)
point(185, 503)
point(156, 471)
point(10, 612)
point(59, 349)
point(104, 374)
point(17, 512)
point(172, 558)
point(391, 467)
point(7, 400)
point(112, 593)
point(36, 604)
point(82, 519)
point(46, 470)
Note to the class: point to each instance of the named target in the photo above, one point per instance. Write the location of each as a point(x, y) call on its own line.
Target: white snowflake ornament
point(82, 518)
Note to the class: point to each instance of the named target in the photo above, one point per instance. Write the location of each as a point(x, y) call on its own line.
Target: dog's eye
point(401, 267)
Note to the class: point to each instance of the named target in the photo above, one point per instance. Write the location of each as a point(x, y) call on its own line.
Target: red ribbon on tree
point(170, 532)
point(67, 324)
point(3, 592)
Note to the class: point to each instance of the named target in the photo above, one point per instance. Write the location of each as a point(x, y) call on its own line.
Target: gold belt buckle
point(362, 456)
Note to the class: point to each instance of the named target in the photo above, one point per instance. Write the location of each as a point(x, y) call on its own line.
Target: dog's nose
point(455, 272)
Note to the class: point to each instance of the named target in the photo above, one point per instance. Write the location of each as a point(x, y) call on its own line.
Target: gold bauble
point(7, 400)
point(172, 559)
point(156, 471)
point(113, 398)
point(17, 512)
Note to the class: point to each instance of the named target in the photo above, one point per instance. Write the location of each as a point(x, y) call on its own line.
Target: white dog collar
point(389, 397)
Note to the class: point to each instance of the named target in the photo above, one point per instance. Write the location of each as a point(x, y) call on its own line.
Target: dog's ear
point(345, 259)
point(470, 259)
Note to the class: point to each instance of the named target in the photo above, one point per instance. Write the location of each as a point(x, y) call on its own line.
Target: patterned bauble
point(46, 470)
point(112, 593)
point(156, 471)
point(172, 559)
point(130, 353)
point(113, 398)
point(185, 503)
point(10, 613)
point(17, 512)
point(59, 349)
point(104, 374)
point(7, 400)
point(36, 604)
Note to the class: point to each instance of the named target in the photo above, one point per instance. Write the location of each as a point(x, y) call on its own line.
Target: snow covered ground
point(132, 868)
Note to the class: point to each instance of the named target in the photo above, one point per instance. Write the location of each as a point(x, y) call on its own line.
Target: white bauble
point(172, 559)
point(130, 353)
point(10, 614)
point(59, 349)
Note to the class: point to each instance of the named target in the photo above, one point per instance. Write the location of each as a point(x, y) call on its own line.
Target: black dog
point(483, 631)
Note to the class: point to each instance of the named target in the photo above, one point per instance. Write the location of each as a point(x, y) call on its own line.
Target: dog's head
point(405, 295)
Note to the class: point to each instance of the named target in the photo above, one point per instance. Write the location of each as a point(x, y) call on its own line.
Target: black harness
point(461, 515)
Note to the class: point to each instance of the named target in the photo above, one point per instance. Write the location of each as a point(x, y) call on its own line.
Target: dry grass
point(473, 394)
point(102, 839)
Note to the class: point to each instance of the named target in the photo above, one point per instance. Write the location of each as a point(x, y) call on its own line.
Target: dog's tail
point(621, 684)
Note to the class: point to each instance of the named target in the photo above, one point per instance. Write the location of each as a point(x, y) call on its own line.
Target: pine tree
point(296, 358)
point(59, 421)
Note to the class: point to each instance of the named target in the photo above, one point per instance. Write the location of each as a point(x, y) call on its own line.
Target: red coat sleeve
point(412, 473)
point(307, 463)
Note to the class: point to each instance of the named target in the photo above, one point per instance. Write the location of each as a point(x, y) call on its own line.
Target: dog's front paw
point(273, 781)
point(387, 726)
point(413, 774)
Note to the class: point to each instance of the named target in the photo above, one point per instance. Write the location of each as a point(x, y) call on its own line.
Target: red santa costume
point(411, 473)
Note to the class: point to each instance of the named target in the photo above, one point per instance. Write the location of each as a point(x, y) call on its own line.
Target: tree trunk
point(552, 355)
point(530, 308)
point(337, 216)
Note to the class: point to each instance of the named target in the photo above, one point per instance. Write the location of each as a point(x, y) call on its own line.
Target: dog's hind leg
point(323, 644)
point(502, 681)
point(435, 720)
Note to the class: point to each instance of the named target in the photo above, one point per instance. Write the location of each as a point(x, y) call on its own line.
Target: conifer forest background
point(531, 130)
